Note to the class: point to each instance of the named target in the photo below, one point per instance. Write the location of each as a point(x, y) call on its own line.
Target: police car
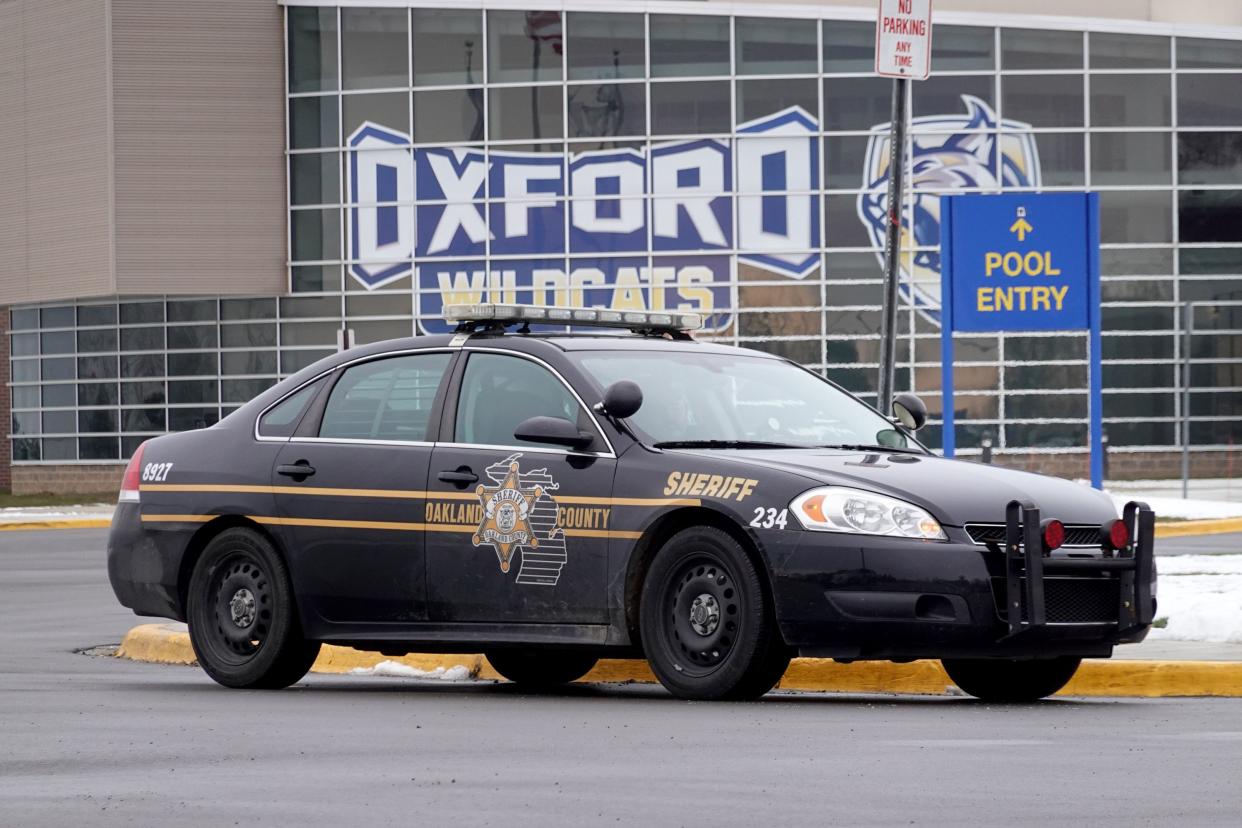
point(551, 498)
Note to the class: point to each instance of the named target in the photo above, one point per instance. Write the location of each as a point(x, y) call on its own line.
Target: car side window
point(385, 399)
point(498, 392)
point(282, 419)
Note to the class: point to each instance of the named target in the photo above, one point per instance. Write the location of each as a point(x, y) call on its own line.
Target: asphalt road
point(1227, 544)
point(92, 740)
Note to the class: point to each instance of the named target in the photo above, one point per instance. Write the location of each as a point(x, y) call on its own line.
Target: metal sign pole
point(892, 243)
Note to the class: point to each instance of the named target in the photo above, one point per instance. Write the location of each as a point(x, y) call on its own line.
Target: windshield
point(722, 400)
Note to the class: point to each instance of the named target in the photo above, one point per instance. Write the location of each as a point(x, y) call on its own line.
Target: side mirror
point(555, 431)
point(621, 399)
point(910, 411)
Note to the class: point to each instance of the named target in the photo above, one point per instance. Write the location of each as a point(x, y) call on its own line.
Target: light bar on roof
point(590, 317)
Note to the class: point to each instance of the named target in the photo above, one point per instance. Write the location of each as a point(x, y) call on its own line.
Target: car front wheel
point(243, 622)
point(1003, 680)
point(707, 626)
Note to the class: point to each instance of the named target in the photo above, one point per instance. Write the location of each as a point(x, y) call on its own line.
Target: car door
point(350, 490)
point(516, 531)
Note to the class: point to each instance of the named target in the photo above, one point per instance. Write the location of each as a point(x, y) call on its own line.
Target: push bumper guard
point(1026, 566)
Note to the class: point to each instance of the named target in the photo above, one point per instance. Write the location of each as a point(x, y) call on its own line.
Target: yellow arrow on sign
point(1021, 227)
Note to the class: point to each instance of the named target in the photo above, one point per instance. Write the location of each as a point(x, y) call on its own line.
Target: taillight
point(1117, 534)
point(1053, 532)
point(132, 478)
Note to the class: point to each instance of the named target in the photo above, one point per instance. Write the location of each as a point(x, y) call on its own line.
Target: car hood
point(956, 492)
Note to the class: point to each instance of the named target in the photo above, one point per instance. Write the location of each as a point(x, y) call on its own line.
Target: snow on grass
point(1175, 507)
point(29, 514)
point(1201, 596)
point(396, 669)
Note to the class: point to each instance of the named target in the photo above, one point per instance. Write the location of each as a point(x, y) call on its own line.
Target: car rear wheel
point(706, 625)
point(243, 622)
point(540, 668)
point(1003, 680)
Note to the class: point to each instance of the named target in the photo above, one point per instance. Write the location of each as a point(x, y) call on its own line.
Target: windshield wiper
point(724, 444)
point(863, 447)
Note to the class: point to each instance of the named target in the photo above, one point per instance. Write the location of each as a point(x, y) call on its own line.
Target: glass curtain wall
point(441, 154)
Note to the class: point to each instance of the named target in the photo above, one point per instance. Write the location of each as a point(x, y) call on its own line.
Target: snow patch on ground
point(27, 514)
point(398, 670)
point(1201, 596)
point(1175, 507)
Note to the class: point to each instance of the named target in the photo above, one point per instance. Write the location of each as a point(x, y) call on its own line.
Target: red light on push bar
point(1118, 534)
point(1053, 532)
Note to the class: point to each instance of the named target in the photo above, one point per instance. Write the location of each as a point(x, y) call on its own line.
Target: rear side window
point(282, 419)
point(387, 399)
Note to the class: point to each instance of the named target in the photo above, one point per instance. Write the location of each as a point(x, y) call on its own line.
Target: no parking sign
point(1022, 262)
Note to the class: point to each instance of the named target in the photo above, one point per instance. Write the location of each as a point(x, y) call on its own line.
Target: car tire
point(541, 668)
point(1003, 680)
point(243, 620)
point(706, 624)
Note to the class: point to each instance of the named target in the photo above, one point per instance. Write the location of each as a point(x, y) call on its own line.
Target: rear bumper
point(143, 566)
point(894, 599)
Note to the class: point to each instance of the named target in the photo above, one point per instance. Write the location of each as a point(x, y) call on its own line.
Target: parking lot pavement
point(104, 741)
point(1225, 544)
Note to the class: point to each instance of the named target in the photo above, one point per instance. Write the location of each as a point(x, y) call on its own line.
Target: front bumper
point(881, 598)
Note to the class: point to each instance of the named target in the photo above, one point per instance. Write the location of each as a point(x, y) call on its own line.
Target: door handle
point(461, 478)
point(299, 470)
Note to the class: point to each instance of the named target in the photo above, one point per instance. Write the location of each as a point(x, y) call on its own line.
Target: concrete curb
point(66, 523)
point(170, 644)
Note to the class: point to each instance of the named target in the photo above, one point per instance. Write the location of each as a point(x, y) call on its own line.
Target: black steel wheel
point(707, 626)
point(243, 620)
point(1005, 680)
point(541, 669)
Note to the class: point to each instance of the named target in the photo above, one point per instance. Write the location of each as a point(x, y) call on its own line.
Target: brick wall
point(68, 479)
point(6, 419)
point(1161, 465)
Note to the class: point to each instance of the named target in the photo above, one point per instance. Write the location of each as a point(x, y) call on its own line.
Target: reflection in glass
point(312, 50)
point(856, 103)
point(95, 421)
point(1208, 100)
point(134, 313)
point(1061, 158)
point(525, 113)
point(98, 367)
point(192, 336)
point(374, 52)
point(1210, 215)
point(388, 109)
point(1204, 53)
point(142, 365)
point(1209, 157)
point(849, 46)
point(690, 108)
point(1136, 216)
point(1128, 51)
point(943, 95)
point(602, 110)
point(315, 234)
point(142, 393)
point(97, 340)
point(97, 314)
point(448, 47)
point(689, 45)
point(756, 98)
point(449, 115)
point(767, 46)
point(963, 48)
point(1130, 100)
point(312, 122)
point(606, 46)
point(1040, 49)
point(1043, 100)
point(314, 178)
point(524, 46)
point(189, 365)
point(192, 310)
point(1130, 158)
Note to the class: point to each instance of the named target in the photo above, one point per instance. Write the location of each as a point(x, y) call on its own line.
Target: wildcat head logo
point(520, 514)
point(971, 151)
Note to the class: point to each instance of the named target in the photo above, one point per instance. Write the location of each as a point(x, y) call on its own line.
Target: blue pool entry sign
point(1022, 262)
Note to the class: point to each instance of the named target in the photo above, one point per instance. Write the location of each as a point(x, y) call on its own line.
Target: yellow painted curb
point(170, 644)
point(72, 523)
point(1198, 527)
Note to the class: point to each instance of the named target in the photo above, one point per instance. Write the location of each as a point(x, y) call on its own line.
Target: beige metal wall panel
point(199, 146)
point(55, 233)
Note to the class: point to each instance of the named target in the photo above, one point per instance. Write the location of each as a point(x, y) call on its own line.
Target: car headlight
point(840, 509)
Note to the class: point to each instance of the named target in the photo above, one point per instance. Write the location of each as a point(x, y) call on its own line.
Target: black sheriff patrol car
point(550, 498)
